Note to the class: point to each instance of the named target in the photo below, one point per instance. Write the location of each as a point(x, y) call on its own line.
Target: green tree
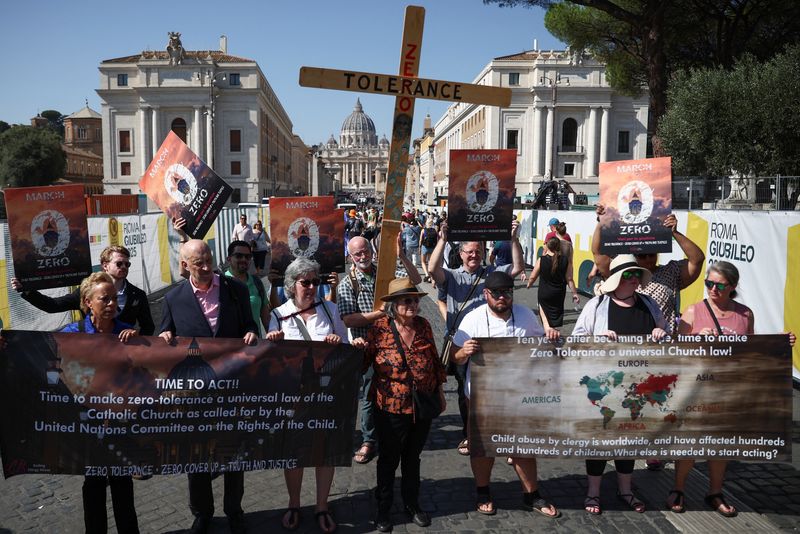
point(744, 120)
point(644, 42)
point(56, 120)
point(4, 126)
point(30, 157)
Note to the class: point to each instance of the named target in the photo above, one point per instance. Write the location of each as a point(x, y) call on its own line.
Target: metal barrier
point(743, 193)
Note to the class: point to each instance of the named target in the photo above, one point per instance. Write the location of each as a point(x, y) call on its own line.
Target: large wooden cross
point(406, 87)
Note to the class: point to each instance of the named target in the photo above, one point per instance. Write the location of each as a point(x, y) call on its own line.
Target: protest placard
point(88, 404)
point(49, 235)
point(589, 398)
point(306, 227)
point(182, 185)
point(481, 194)
point(637, 195)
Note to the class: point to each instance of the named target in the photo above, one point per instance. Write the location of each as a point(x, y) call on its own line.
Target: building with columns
point(220, 105)
point(358, 161)
point(564, 119)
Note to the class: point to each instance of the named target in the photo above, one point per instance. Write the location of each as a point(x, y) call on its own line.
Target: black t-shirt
point(634, 320)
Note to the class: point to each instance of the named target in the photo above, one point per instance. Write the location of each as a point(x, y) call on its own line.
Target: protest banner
point(182, 185)
point(88, 404)
point(306, 227)
point(481, 194)
point(49, 235)
point(712, 397)
point(637, 195)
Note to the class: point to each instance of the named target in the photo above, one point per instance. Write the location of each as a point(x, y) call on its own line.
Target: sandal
point(483, 498)
point(294, 517)
point(630, 499)
point(535, 503)
point(463, 447)
point(678, 505)
point(365, 453)
point(592, 505)
point(328, 525)
point(719, 499)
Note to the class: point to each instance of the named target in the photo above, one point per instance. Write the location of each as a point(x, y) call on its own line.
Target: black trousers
point(401, 441)
point(595, 468)
point(94, 505)
point(201, 498)
point(463, 401)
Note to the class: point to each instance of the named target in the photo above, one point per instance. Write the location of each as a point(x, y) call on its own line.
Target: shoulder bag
point(426, 405)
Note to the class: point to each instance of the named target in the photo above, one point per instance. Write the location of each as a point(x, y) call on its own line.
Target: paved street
point(767, 495)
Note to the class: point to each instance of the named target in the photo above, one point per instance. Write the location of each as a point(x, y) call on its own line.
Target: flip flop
point(294, 519)
point(678, 505)
point(327, 518)
point(720, 500)
point(483, 496)
point(463, 447)
point(535, 503)
point(365, 453)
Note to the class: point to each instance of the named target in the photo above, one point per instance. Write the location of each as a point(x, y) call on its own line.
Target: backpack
point(429, 238)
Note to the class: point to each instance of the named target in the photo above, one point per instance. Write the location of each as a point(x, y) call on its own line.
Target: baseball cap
point(499, 280)
point(553, 221)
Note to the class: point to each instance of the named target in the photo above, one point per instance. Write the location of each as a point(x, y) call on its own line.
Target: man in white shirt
point(499, 317)
point(242, 231)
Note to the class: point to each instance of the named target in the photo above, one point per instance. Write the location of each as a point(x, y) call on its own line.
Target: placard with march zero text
point(182, 185)
point(306, 227)
point(712, 397)
point(49, 235)
point(480, 196)
point(637, 195)
point(89, 404)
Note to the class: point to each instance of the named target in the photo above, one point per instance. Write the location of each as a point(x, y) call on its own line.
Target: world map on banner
point(631, 392)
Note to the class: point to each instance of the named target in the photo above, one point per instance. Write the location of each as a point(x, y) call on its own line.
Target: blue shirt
point(89, 328)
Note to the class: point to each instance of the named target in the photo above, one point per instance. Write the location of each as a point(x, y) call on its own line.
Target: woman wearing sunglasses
point(402, 351)
point(306, 317)
point(619, 310)
point(718, 314)
point(98, 300)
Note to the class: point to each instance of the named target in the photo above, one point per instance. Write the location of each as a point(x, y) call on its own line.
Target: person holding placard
point(306, 317)
point(500, 317)
point(620, 310)
point(717, 315)
point(98, 300)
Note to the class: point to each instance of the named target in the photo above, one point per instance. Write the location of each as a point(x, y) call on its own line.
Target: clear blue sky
point(52, 48)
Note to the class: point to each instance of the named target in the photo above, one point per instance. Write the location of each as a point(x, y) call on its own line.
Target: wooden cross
point(406, 87)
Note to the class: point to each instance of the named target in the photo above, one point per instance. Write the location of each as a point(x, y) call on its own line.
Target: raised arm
point(517, 265)
point(601, 261)
point(693, 268)
point(437, 256)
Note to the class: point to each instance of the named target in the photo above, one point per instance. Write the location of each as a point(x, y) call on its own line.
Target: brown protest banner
point(49, 235)
point(723, 397)
point(637, 195)
point(182, 185)
point(306, 227)
point(480, 197)
point(88, 404)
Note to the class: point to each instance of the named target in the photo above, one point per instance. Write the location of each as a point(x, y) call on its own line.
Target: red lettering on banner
point(408, 66)
point(404, 104)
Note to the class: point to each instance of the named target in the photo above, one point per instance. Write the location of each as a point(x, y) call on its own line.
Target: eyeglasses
point(719, 285)
point(497, 293)
point(107, 299)
point(408, 301)
point(121, 264)
point(471, 252)
point(242, 255)
point(308, 283)
point(627, 275)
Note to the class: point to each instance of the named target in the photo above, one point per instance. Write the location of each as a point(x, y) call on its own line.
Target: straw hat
point(620, 264)
point(401, 287)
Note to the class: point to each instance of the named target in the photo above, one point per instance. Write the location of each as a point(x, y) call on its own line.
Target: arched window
point(179, 127)
point(569, 135)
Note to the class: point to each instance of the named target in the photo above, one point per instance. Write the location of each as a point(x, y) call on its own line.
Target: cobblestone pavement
point(768, 495)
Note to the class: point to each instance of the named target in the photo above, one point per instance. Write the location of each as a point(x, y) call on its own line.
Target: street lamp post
point(553, 81)
point(212, 97)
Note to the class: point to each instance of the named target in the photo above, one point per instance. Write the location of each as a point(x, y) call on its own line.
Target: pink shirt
point(208, 300)
point(736, 323)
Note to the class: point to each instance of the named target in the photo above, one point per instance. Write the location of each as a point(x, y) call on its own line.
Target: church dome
point(358, 129)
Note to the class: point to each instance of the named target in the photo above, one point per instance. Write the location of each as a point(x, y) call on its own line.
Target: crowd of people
point(402, 384)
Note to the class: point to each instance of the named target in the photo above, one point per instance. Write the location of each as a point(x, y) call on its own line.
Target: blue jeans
point(367, 421)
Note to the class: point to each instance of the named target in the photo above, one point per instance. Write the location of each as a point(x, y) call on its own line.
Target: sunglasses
point(719, 285)
point(240, 255)
point(408, 301)
point(308, 283)
point(121, 264)
point(106, 300)
point(497, 293)
point(627, 275)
